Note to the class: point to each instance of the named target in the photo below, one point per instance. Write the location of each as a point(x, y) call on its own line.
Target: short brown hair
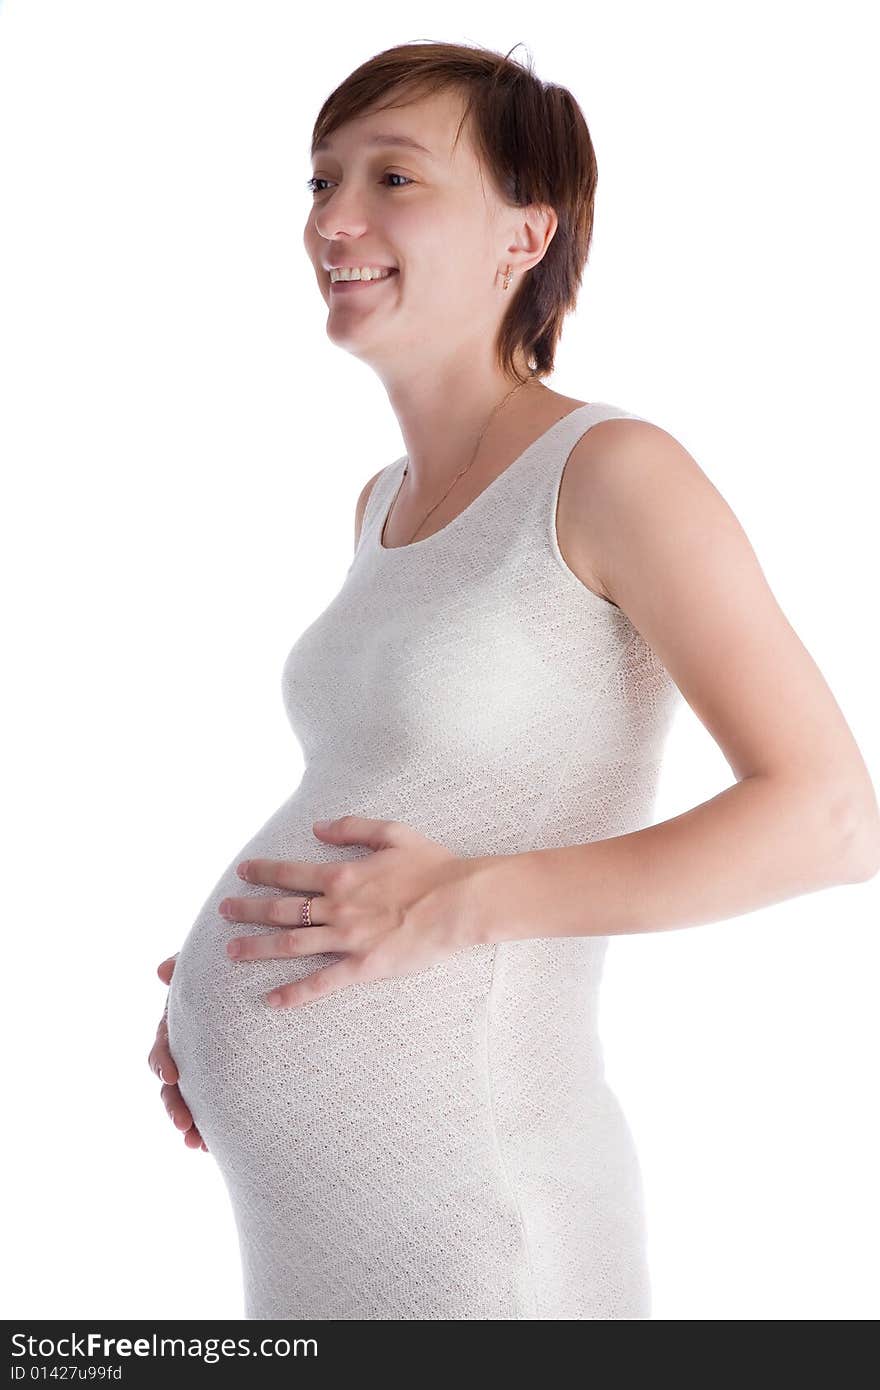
point(532, 137)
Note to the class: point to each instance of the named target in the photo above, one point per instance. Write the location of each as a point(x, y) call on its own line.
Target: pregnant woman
point(384, 1029)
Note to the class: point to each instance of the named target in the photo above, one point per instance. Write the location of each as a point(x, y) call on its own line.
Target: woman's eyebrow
point(382, 139)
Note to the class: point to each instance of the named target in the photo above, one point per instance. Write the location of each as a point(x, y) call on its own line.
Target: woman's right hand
point(162, 1063)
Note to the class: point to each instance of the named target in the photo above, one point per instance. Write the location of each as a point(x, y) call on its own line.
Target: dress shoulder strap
point(379, 499)
point(528, 492)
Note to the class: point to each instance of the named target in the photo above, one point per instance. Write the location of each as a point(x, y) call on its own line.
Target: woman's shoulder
point(614, 460)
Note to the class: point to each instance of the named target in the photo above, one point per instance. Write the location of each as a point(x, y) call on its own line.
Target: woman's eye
point(316, 179)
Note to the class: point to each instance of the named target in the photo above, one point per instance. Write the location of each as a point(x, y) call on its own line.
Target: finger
point(317, 985)
point(274, 912)
point(296, 877)
point(282, 945)
point(159, 1058)
point(166, 970)
point(157, 1063)
point(165, 1066)
point(181, 1116)
point(193, 1140)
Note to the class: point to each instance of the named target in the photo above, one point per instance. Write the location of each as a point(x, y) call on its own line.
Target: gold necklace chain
point(458, 475)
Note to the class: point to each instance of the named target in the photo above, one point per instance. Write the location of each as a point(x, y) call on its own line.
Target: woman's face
point(431, 216)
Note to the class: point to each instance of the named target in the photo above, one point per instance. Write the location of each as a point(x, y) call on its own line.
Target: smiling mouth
point(347, 286)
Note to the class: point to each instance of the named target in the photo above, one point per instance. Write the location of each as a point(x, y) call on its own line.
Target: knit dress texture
point(442, 1145)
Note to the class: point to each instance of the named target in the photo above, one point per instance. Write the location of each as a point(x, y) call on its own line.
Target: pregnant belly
point(376, 1130)
point(358, 1066)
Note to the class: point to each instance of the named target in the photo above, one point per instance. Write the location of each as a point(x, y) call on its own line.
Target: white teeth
point(364, 272)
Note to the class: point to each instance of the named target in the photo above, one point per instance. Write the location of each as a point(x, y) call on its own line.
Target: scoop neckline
point(435, 535)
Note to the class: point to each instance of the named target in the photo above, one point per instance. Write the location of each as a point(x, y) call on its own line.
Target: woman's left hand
point(394, 912)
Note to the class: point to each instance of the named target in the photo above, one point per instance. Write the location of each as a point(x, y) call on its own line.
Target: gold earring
point(506, 284)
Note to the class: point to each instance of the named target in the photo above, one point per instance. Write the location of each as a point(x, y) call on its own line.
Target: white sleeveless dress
point(442, 1145)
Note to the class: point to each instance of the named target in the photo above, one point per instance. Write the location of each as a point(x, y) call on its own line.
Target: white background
point(182, 452)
